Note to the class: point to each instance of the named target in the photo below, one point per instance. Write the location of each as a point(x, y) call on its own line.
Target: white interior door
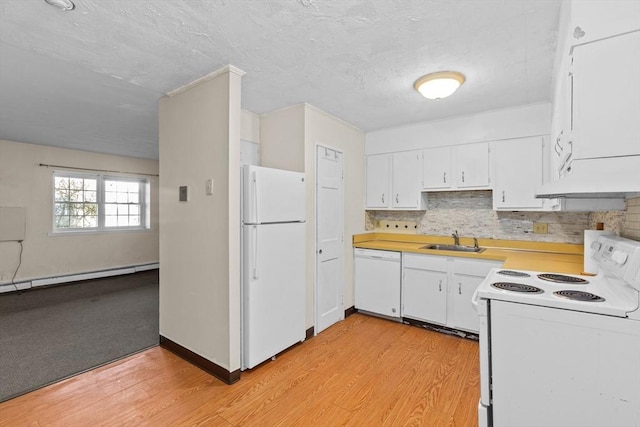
point(329, 238)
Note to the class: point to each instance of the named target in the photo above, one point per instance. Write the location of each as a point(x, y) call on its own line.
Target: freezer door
point(273, 290)
point(272, 195)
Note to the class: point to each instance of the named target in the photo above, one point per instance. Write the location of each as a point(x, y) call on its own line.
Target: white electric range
point(562, 350)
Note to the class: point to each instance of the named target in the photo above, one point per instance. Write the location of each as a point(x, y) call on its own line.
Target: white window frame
point(144, 202)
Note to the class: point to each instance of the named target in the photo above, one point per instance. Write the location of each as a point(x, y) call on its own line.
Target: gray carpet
point(50, 334)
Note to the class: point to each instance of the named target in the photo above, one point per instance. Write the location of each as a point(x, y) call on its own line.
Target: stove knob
point(595, 245)
point(619, 257)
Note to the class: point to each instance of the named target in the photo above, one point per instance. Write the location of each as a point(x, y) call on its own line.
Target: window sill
point(89, 232)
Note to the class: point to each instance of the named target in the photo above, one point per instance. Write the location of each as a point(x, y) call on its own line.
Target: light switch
point(210, 187)
point(183, 193)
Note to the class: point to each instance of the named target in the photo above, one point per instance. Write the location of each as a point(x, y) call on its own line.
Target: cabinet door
point(518, 172)
point(436, 168)
point(594, 20)
point(406, 179)
point(606, 98)
point(378, 181)
point(467, 275)
point(424, 295)
point(463, 315)
point(472, 165)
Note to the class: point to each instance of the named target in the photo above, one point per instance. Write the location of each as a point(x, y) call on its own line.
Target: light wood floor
point(363, 371)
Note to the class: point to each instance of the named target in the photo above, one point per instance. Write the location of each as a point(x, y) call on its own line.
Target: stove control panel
point(619, 257)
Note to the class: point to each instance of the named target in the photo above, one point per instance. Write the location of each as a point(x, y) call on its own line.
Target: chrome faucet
point(456, 238)
point(475, 243)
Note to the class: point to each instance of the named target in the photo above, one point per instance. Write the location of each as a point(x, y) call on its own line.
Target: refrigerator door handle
point(254, 190)
point(255, 251)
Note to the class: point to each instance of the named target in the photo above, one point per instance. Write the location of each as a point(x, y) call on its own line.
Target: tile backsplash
point(472, 214)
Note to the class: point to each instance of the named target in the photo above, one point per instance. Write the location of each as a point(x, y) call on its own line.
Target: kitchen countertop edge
point(515, 254)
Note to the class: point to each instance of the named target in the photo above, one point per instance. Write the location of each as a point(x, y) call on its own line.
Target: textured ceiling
point(90, 79)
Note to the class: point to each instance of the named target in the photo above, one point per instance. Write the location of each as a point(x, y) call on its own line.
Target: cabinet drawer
point(475, 267)
point(424, 262)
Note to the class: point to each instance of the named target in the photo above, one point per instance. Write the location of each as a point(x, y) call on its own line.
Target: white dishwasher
point(377, 277)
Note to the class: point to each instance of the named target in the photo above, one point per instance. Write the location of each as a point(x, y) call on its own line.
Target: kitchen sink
point(455, 248)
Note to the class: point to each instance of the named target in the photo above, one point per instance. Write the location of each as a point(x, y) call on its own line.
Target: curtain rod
point(96, 170)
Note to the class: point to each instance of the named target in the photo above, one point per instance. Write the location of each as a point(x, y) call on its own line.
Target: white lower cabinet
point(463, 315)
point(438, 289)
point(424, 288)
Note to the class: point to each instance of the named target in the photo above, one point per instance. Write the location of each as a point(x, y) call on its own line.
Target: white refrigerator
point(273, 262)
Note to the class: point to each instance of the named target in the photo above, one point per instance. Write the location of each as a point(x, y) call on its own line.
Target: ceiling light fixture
point(439, 85)
point(62, 4)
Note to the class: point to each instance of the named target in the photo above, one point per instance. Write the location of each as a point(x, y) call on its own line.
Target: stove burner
point(513, 273)
point(562, 278)
point(517, 287)
point(579, 296)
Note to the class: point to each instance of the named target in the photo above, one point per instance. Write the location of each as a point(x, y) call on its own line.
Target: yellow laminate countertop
point(516, 254)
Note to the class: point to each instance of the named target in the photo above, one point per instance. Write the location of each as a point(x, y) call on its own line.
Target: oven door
point(557, 368)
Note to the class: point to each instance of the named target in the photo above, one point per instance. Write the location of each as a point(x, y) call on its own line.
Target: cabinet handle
point(459, 288)
point(440, 286)
point(382, 197)
point(558, 146)
point(444, 177)
point(503, 195)
point(397, 201)
point(462, 176)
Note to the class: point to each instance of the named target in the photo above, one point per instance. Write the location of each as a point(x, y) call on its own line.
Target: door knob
point(320, 251)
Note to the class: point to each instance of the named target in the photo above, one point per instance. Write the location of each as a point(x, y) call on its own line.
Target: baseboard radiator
point(67, 278)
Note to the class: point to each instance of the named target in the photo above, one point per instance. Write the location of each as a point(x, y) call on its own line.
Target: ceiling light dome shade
point(62, 4)
point(439, 85)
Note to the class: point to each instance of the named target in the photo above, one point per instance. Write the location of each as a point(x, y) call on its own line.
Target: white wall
point(23, 183)
point(528, 120)
point(250, 127)
point(282, 139)
point(200, 239)
point(288, 141)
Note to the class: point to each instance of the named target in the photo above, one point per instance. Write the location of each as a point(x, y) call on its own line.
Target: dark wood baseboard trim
point(310, 333)
point(442, 329)
point(349, 311)
point(199, 361)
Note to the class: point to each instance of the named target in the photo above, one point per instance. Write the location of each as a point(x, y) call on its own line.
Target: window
point(94, 202)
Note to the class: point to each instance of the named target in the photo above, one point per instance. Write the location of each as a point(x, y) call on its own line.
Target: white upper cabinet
point(393, 181)
point(472, 165)
point(606, 98)
point(436, 168)
point(378, 185)
point(517, 173)
point(406, 180)
point(456, 168)
point(598, 19)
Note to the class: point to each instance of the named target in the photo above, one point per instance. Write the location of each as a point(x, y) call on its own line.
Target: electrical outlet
point(540, 228)
point(402, 227)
